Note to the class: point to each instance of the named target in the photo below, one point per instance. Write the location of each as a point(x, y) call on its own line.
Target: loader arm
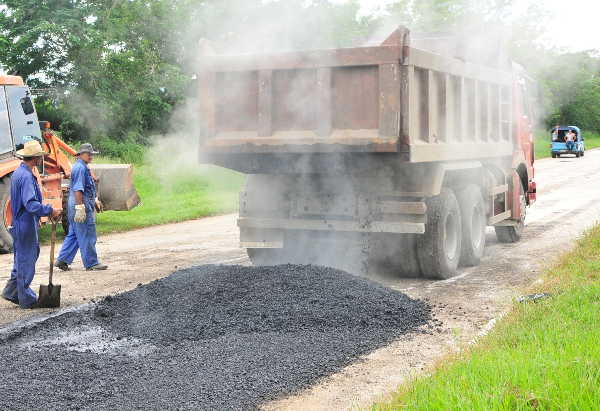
point(114, 181)
point(57, 161)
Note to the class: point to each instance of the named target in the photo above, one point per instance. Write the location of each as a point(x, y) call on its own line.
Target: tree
point(572, 89)
point(111, 61)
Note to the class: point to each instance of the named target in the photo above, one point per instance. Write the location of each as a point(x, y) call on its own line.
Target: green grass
point(543, 141)
point(543, 355)
point(175, 198)
point(184, 194)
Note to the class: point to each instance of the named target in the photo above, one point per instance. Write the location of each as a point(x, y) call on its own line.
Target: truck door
point(23, 118)
point(6, 143)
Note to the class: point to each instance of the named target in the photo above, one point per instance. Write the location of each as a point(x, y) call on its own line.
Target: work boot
point(15, 301)
point(10, 294)
point(97, 267)
point(62, 265)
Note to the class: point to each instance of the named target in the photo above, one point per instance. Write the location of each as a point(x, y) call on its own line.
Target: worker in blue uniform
point(27, 208)
point(82, 207)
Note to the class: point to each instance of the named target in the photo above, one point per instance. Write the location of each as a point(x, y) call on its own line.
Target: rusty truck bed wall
point(386, 99)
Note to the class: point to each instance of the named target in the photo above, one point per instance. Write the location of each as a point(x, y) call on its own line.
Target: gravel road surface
point(210, 337)
point(568, 203)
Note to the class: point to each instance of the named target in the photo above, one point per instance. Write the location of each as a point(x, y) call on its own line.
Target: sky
point(584, 15)
point(576, 22)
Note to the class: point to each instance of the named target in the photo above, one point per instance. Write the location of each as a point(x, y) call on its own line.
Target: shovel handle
point(52, 244)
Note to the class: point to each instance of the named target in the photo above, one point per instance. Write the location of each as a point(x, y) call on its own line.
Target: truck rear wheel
point(6, 241)
point(439, 249)
point(513, 233)
point(474, 223)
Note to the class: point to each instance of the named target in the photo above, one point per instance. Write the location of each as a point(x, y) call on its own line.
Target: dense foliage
point(119, 69)
point(572, 90)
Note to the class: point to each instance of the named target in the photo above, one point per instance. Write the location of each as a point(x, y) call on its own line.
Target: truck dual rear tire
point(439, 249)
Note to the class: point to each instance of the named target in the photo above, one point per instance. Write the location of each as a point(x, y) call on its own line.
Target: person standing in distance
point(27, 208)
point(82, 215)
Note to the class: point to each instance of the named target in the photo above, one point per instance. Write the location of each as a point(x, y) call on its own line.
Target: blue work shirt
point(81, 180)
point(26, 204)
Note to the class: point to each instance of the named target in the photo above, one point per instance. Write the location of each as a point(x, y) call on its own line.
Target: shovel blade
point(49, 296)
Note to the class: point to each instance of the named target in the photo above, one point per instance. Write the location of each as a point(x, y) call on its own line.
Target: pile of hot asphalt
point(208, 337)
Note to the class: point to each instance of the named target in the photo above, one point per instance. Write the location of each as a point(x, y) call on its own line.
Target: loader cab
point(18, 118)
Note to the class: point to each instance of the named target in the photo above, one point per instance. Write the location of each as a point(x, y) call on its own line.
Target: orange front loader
point(19, 123)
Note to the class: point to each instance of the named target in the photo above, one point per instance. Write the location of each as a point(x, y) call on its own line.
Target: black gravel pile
point(204, 338)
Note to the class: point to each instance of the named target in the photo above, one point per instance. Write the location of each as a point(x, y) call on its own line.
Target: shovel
point(49, 295)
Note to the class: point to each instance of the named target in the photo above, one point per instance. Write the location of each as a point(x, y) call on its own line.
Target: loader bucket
point(115, 186)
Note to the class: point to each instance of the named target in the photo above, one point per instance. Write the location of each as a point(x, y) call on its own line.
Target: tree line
point(117, 70)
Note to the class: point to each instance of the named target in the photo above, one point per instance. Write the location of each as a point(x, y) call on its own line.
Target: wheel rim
point(451, 236)
point(477, 226)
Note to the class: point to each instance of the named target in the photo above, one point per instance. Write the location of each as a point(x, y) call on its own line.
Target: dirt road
point(568, 203)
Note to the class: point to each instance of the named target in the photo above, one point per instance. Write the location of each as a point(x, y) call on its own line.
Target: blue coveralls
point(27, 208)
point(81, 236)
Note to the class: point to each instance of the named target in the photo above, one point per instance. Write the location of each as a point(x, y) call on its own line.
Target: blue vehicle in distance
point(567, 140)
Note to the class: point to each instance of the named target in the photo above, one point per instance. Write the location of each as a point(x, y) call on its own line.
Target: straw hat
point(31, 149)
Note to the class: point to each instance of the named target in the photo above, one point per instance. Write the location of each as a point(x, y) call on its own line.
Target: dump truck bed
point(392, 98)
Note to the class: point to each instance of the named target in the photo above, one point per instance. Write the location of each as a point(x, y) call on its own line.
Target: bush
point(112, 150)
point(127, 151)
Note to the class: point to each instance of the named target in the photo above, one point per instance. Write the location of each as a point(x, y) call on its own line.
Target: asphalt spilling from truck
point(208, 337)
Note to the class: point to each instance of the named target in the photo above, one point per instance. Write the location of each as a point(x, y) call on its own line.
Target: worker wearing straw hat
point(27, 208)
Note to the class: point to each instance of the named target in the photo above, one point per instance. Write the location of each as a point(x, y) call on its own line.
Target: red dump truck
point(388, 158)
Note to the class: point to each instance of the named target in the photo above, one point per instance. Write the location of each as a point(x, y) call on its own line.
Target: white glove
point(79, 213)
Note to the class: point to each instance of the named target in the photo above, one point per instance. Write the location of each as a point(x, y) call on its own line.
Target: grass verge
point(175, 198)
point(182, 195)
point(543, 355)
point(542, 142)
